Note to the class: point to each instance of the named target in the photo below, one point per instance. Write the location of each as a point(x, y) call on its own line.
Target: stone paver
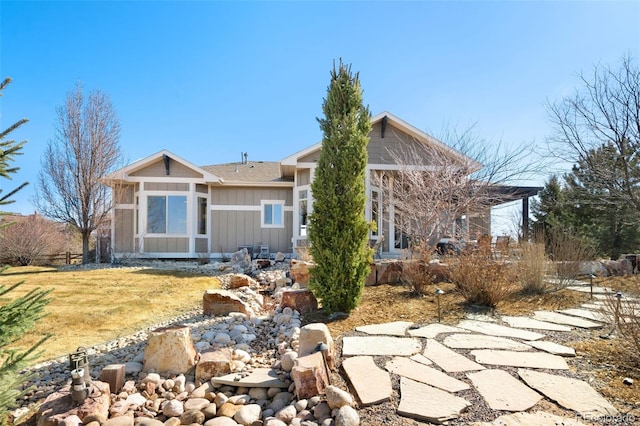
point(570, 393)
point(481, 341)
point(450, 361)
point(584, 313)
point(526, 322)
point(423, 402)
point(432, 330)
point(480, 317)
point(415, 371)
point(258, 378)
point(421, 359)
point(565, 319)
point(362, 373)
point(553, 348)
point(539, 418)
point(380, 345)
point(502, 391)
point(499, 330)
point(520, 359)
point(396, 328)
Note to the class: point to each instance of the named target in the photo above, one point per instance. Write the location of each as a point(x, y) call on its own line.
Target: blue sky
point(207, 80)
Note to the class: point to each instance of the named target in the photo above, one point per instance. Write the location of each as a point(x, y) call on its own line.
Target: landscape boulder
point(310, 375)
point(389, 272)
point(310, 336)
point(241, 261)
point(170, 350)
point(213, 363)
point(241, 280)
point(299, 272)
point(222, 302)
point(301, 300)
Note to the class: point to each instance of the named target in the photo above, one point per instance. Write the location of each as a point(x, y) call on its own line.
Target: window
point(272, 214)
point(303, 200)
point(202, 216)
point(167, 214)
point(375, 212)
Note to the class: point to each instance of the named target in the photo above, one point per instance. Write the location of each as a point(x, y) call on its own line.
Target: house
point(168, 207)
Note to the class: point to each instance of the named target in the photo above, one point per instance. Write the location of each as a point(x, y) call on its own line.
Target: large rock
point(389, 272)
point(301, 300)
point(170, 350)
point(223, 302)
point(59, 405)
point(241, 280)
point(310, 375)
point(241, 261)
point(310, 336)
point(213, 363)
point(299, 272)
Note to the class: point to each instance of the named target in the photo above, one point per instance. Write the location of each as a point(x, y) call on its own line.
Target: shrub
point(568, 250)
point(625, 317)
point(531, 268)
point(420, 273)
point(32, 239)
point(481, 280)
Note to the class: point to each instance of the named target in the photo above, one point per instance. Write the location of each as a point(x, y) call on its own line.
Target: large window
point(167, 214)
point(272, 214)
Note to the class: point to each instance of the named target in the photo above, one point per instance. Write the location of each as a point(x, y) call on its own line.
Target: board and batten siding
point(395, 140)
point(123, 220)
point(166, 245)
point(235, 219)
point(157, 169)
point(304, 177)
point(378, 147)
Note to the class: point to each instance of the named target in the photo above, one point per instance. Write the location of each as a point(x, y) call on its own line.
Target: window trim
point(263, 204)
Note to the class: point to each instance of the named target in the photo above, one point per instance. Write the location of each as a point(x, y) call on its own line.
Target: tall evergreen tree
point(338, 231)
point(20, 314)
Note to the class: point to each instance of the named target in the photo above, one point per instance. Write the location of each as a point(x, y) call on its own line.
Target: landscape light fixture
point(79, 389)
point(323, 348)
point(439, 292)
point(619, 296)
point(591, 277)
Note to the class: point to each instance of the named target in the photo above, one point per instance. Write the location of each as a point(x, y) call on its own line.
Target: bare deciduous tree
point(436, 185)
point(603, 114)
point(31, 238)
point(85, 149)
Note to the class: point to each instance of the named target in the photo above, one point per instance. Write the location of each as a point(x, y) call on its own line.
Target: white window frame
point(167, 196)
point(264, 203)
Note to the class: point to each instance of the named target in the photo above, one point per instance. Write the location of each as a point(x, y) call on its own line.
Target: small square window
point(272, 214)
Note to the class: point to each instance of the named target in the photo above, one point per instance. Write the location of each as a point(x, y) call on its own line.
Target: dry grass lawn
point(93, 306)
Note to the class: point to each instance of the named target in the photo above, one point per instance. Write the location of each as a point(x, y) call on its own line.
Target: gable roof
point(292, 160)
point(126, 172)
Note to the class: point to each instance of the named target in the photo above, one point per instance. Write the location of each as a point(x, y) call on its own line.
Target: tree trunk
point(85, 248)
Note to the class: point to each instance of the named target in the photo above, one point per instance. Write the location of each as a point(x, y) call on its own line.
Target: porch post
point(525, 218)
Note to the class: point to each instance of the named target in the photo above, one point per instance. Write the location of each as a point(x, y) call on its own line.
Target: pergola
point(502, 194)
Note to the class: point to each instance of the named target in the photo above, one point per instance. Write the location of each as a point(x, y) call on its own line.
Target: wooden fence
point(66, 258)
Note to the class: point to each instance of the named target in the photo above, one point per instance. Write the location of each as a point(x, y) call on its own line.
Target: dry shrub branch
point(531, 268)
point(480, 279)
